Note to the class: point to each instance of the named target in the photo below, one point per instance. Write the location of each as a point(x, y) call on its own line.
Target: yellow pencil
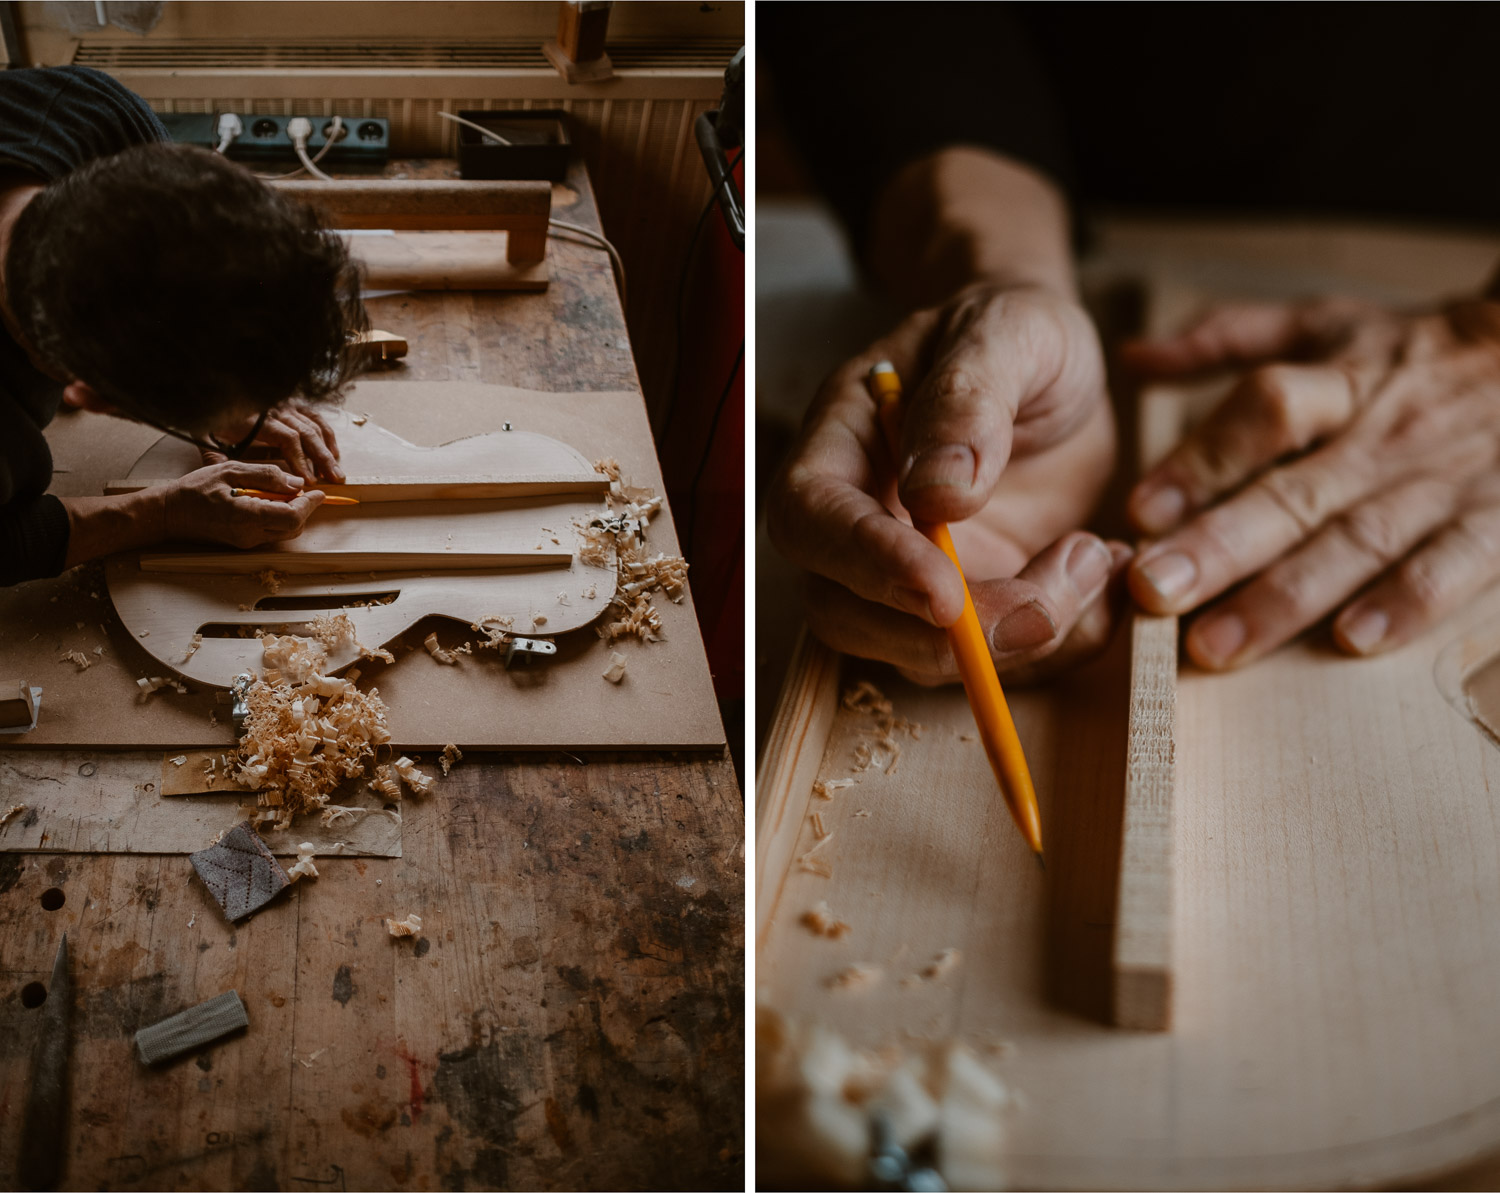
point(267, 496)
point(977, 670)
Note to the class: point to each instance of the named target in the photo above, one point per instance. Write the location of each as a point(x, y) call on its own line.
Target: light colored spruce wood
point(789, 764)
point(446, 261)
point(372, 490)
point(305, 563)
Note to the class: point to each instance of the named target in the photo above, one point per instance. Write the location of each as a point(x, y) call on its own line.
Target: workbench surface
point(570, 1016)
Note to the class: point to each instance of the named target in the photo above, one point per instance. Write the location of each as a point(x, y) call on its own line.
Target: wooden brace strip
point(372, 489)
point(305, 563)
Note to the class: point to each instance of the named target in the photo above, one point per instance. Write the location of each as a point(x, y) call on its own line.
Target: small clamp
point(239, 689)
point(524, 648)
point(891, 1167)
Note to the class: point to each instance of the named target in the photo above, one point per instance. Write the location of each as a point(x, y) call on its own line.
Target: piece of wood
point(1142, 955)
point(596, 70)
point(789, 764)
point(446, 261)
point(200, 772)
point(369, 490)
point(191, 1029)
point(87, 801)
point(17, 706)
point(303, 563)
point(520, 209)
point(565, 704)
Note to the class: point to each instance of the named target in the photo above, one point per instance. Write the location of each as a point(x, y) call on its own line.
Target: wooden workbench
point(571, 1015)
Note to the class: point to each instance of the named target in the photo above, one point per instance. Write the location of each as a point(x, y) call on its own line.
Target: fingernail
point(1172, 574)
point(1088, 565)
point(951, 467)
point(914, 602)
point(1161, 510)
point(1364, 630)
point(1030, 625)
point(1219, 639)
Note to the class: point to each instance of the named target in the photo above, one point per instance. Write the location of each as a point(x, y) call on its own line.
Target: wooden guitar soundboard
point(509, 556)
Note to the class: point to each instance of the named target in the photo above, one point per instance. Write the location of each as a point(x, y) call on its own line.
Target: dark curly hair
point(178, 286)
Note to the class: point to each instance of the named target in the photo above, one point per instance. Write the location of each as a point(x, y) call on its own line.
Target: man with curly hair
point(166, 285)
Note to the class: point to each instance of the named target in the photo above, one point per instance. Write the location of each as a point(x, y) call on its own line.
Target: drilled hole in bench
point(53, 899)
point(33, 994)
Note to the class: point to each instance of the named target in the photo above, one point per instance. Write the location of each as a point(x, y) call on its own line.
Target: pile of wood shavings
point(441, 653)
point(451, 754)
point(880, 749)
point(304, 867)
point(631, 613)
point(307, 732)
point(78, 659)
point(817, 1098)
point(156, 682)
point(409, 926)
point(821, 921)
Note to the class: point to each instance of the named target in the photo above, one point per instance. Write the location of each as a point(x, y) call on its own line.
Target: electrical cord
point(230, 127)
point(687, 262)
point(708, 444)
point(478, 128)
point(300, 129)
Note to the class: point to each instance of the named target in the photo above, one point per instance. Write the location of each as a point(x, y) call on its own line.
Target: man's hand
point(304, 439)
point(1360, 472)
point(199, 506)
point(1007, 434)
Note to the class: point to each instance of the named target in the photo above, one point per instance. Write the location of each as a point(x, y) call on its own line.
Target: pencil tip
point(1041, 861)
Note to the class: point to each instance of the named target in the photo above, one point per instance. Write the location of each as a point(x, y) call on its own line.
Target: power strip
point(365, 142)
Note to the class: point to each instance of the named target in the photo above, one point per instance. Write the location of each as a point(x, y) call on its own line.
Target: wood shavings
point(156, 683)
point(855, 977)
point(271, 580)
point(384, 783)
point(179, 760)
point(562, 597)
point(446, 657)
point(820, 830)
point(451, 754)
point(615, 672)
point(78, 659)
point(13, 810)
point(817, 1099)
point(412, 776)
point(99, 650)
point(824, 788)
point(880, 750)
point(863, 812)
point(496, 631)
point(193, 647)
point(307, 1061)
point(866, 697)
point(814, 865)
point(942, 965)
point(142, 634)
point(591, 592)
point(359, 420)
point(821, 921)
point(306, 732)
point(410, 926)
point(304, 867)
point(539, 619)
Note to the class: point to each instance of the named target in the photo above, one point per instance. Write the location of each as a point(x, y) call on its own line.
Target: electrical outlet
point(364, 143)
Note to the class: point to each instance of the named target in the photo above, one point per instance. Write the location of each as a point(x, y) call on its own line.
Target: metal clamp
point(239, 689)
point(525, 648)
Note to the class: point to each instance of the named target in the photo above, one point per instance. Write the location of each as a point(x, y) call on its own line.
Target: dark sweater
point(52, 121)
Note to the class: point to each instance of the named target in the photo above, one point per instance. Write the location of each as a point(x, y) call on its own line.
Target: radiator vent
point(698, 54)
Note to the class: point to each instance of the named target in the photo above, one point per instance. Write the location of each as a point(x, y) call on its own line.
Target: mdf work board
point(665, 701)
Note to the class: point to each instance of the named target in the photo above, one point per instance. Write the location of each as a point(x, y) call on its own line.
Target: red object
point(703, 457)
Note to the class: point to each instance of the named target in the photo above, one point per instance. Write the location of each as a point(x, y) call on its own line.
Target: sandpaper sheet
point(79, 801)
point(666, 700)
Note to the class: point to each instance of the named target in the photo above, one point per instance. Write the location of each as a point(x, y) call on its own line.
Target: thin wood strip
point(789, 762)
point(325, 562)
point(370, 489)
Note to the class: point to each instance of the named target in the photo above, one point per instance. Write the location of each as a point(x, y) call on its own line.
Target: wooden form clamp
point(520, 209)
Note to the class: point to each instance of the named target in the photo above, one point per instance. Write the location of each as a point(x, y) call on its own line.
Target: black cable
point(687, 262)
point(708, 445)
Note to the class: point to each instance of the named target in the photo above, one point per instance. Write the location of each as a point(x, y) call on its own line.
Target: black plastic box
point(541, 145)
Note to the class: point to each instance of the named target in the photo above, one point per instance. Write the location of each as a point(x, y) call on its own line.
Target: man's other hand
point(304, 439)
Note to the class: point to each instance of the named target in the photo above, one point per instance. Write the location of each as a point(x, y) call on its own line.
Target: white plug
point(230, 127)
point(299, 128)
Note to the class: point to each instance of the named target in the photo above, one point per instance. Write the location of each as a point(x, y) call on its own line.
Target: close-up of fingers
point(1273, 411)
point(870, 630)
point(955, 439)
point(1438, 577)
point(846, 535)
point(1037, 610)
point(270, 477)
point(1233, 541)
point(1299, 590)
point(1227, 335)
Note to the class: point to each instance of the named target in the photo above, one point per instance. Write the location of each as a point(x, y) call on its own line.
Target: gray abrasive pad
point(191, 1028)
point(241, 872)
